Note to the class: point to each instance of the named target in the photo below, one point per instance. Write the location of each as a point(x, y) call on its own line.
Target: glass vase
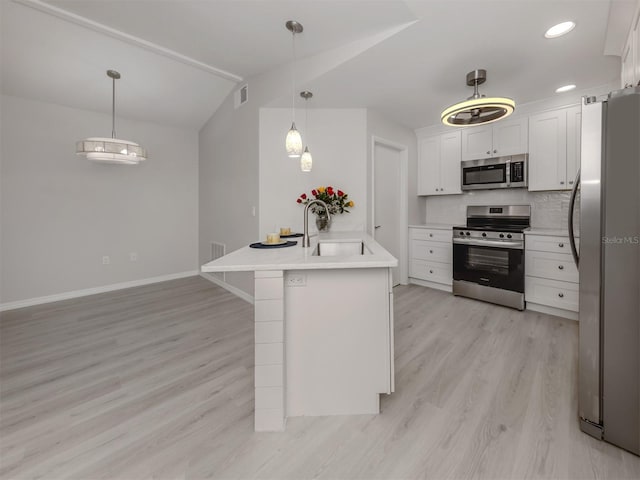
point(323, 223)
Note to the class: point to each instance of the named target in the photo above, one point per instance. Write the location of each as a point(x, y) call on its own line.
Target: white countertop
point(552, 232)
point(298, 258)
point(434, 226)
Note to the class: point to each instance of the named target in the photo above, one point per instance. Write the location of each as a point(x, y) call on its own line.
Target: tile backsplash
point(548, 209)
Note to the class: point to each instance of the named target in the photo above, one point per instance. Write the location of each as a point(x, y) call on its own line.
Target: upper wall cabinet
point(554, 149)
point(636, 44)
point(495, 140)
point(439, 164)
point(630, 73)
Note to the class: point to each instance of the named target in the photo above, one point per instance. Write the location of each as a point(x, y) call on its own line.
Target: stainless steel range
point(488, 254)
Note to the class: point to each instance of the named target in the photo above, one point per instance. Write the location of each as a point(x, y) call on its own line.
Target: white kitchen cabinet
point(554, 149)
point(627, 72)
point(431, 257)
point(439, 164)
point(630, 55)
point(636, 44)
point(551, 277)
point(574, 122)
point(508, 137)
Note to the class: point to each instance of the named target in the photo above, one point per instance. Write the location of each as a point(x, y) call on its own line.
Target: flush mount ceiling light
point(566, 88)
point(560, 29)
point(477, 109)
point(293, 142)
point(111, 150)
point(306, 161)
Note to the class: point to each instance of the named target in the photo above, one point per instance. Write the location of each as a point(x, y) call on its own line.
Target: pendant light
point(111, 150)
point(477, 109)
point(306, 162)
point(293, 142)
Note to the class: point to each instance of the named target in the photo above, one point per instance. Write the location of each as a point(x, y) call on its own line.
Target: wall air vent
point(241, 96)
point(217, 250)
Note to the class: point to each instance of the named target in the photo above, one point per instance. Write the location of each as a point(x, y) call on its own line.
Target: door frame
point(403, 261)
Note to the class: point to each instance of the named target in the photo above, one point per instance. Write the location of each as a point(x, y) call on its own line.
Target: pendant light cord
point(113, 109)
point(293, 77)
point(306, 120)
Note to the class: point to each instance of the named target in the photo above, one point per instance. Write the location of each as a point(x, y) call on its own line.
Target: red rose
point(330, 190)
point(299, 200)
point(340, 193)
point(314, 193)
point(303, 196)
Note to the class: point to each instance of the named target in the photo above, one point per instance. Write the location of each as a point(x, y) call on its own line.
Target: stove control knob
point(508, 235)
point(484, 234)
point(461, 233)
point(468, 234)
point(502, 235)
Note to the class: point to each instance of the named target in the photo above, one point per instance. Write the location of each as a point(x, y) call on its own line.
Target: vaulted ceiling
point(180, 59)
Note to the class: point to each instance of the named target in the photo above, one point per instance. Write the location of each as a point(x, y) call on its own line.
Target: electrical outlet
point(106, 260)
point(133, 257)
point(296, 280)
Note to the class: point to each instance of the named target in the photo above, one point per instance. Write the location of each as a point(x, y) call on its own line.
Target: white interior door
point(387, 194)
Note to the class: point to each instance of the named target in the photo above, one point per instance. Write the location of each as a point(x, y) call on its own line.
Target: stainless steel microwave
point(499, 172)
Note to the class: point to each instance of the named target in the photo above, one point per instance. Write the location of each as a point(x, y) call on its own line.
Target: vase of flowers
point(337, 201)
point(323, 222)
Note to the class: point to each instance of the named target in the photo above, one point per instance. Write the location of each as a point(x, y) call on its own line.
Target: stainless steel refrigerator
point(609, 265)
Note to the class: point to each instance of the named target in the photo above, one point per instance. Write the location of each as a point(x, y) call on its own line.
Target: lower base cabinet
point(551, 281)
point(431, 257)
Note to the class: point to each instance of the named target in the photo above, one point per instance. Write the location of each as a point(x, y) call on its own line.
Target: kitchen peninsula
point(323, 326)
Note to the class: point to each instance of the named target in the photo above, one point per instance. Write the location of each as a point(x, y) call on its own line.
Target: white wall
point(61, 214)
point(228, 183)
point(337, 142)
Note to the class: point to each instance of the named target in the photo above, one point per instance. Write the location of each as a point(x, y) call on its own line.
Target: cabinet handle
point(488, 152)
point(430, 271)
point(570, 182)
point(561, 183)
point(561, 295)
point(495, 151)
point(561, 245)
point(431, 234)
point(430, 251)
point(560, 267)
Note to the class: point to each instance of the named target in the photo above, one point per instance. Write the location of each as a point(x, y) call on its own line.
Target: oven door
point(491, 266)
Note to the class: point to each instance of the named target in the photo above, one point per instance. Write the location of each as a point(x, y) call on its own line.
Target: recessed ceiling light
point(560, 29)
point(566, 88)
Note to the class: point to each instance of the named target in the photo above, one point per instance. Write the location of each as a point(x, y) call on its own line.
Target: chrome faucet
point(306, 242)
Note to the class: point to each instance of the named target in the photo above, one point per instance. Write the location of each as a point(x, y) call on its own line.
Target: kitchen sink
point(341, 249)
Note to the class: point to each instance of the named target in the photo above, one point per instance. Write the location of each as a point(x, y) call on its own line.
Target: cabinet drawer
point(544, 243)
point(556, 266)
point(431, 234)
point(552, 293)
point(432, 251)
point(431, 271)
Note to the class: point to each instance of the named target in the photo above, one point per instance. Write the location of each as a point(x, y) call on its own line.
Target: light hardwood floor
point(157, 382)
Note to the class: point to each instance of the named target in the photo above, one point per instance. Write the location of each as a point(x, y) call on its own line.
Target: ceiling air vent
point(241, 95)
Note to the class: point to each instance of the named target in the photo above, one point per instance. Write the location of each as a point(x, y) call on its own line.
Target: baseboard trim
point(558, 312)
point(93, 291)
point(427, 283)
point(230, 288)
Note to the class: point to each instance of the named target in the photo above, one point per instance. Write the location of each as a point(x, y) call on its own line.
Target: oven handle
point(490, 243)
